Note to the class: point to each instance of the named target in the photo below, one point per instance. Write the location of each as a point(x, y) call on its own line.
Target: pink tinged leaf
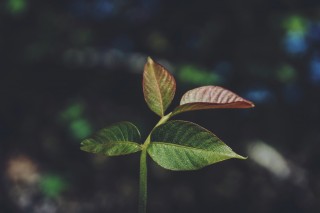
point(159, 87)
point(211, 97)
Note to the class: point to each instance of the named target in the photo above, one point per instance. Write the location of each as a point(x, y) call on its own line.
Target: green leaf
point(210, 97)
point(182, 145)
point(159, 87)
point(118, 139)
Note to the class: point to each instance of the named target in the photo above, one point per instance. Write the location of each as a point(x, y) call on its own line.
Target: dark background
point(69, 68)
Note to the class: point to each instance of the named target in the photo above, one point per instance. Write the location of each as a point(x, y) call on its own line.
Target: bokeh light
point(269, 158)
point(52, 185)
point(260, 95)
point(16, 7)
point(73, 116)
point(315, 70)
point(192, 75)
point(295, 40)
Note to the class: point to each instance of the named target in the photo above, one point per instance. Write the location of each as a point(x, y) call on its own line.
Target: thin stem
point(143, 168)
point(143, 182)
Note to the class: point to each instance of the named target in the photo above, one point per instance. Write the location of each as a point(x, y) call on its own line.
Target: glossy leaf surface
point(211, 97)
point(182, 145)
point(118, 139)
point(159, 87)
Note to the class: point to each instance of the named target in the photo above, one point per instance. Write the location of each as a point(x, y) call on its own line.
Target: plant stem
point(163, 120)
point(143, 168)
point(143, 182)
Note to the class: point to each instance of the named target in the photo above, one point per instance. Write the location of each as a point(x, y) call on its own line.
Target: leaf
point(118, 139)
point(159, 87)
point(210, 97)
point(182, 145)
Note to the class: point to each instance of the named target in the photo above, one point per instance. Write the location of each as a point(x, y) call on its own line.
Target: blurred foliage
point(286, 74)
point(296, 23)
point(16, 7)
point(192, 75)
point(52, 185)
point(73, 112)
point(79, 126)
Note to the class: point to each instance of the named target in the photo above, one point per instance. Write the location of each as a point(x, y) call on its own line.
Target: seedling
point(175, 145)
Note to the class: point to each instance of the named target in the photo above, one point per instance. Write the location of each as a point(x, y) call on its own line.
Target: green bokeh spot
point(195, 76)
point(16, 6)
point(80, 128)
point(73, 112)
point(295, 23)
point(286, 74)
point(52, 185)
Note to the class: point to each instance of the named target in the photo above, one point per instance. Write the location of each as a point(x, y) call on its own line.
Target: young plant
point(175, 145)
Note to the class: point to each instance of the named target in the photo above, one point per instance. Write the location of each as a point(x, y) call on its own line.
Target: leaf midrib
point(201, 102)
point(158, 88)
point(116, 142)
point(187, 147)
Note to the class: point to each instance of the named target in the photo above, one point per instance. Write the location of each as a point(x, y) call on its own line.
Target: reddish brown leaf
point(210, 97)
point(159, 87)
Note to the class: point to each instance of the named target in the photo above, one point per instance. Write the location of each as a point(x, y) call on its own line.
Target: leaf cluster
point(176, 144)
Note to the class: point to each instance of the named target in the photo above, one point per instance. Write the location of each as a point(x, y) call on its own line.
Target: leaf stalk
point(143, 168)
point(163, 120)
point(143, 182)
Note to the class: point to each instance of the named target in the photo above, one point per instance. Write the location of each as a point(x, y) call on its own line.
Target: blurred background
point(71, 67)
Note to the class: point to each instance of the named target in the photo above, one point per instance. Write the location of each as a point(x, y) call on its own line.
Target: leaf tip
point(84, 142)
point(149, 60)
point(241, 157)
point(250, 104)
